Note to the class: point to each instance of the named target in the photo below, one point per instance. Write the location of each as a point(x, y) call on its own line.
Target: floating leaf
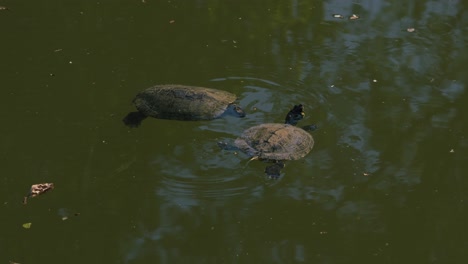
point(27, 225)
point(38, 189)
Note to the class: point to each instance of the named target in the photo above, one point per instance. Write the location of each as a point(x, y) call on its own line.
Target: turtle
point(276, 142)
point(181, 102)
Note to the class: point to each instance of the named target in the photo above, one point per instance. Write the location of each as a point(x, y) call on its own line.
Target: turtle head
point(295, 115)
point(236, 110)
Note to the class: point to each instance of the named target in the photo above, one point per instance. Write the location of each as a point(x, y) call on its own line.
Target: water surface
point(385, 182)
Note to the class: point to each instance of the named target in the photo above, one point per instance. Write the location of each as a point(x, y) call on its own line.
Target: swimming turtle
point(276, 142)
point(182, 102)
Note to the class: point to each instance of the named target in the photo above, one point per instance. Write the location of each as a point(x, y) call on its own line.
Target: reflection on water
point(245, 78)
point(378, 95)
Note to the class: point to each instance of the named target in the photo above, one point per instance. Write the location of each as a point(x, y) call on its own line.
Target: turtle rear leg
point(227, 146)
point(274, 171)
point(133, 119)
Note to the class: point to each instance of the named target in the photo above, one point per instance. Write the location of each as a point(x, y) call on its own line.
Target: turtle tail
point(133, 119)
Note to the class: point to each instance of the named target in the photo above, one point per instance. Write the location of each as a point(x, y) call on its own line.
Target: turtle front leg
point(310, 128)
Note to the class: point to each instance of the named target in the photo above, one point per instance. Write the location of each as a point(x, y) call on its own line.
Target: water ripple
point(200, 171)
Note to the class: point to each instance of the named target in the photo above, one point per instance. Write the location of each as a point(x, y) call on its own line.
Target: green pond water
point(386, 181)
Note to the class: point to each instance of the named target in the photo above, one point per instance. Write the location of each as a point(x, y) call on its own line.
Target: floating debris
point(67, 216)
point(38, 189)
point(27, 225)
point(410, 30)
point(353, 17)
point(452, 151)
point(3, 8)
point(337, 16)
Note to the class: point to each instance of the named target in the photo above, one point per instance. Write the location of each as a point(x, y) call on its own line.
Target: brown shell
point(275, 142)
point(183, 102)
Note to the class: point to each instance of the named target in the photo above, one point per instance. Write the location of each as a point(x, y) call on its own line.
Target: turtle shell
point(183, 102)
point(275, 142)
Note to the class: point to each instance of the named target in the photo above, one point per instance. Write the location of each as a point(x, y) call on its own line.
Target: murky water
point(385, 182)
